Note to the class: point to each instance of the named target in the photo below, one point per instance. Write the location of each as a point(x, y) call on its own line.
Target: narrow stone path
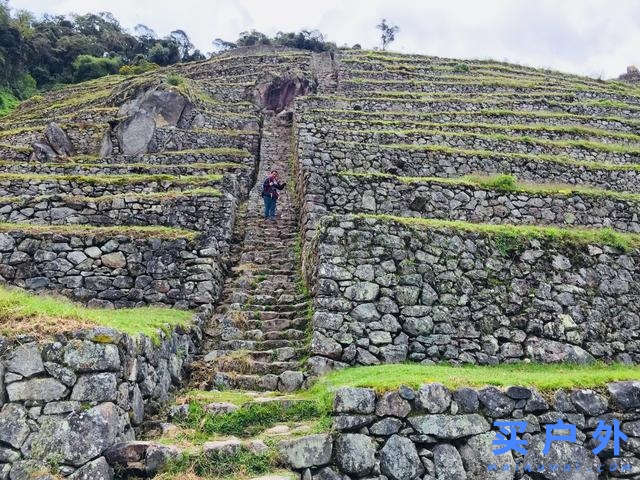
point(257, 337)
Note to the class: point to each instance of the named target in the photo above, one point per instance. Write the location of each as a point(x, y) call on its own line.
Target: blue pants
point(269, 207)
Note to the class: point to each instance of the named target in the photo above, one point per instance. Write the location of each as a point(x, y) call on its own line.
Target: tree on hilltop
point(387, 32)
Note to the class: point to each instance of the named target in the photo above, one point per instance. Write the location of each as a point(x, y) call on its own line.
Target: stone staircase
point(257, 337)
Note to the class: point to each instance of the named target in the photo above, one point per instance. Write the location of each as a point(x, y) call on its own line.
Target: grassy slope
point(22, 312)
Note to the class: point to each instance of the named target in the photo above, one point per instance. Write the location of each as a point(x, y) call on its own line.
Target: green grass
point(126, 179)
point(507, 183)
point(251, 419)
point(542, 376)
point(516, 233)
point(23, 312)
point(168, 233)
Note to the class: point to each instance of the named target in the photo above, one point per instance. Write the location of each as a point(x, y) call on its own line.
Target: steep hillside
point(436, 211)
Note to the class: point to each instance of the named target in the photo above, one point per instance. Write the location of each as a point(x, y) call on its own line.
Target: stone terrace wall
point(113, 270)
point(335, 156)
point(389, 195)
point(167, 139)
point(65, 401)
point(385, 292)
point(434, 433)
point(209, 214)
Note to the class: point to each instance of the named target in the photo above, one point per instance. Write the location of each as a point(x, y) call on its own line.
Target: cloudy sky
point(592, 37)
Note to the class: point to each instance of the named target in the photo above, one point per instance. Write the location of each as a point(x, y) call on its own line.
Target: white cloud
point(593, 37)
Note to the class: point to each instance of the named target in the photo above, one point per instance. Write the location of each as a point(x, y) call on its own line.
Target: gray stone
point(25, 360)
point(14, 425)
point(477, 454)
point(98, 387)
point(550, 351)
point(386, 426)
point(625, 394)
point(86, 356)
point(58, 140)
point(561, 453)
point(399, 459)
point(39, 389)
point(65, 375)
point(355, 453)
point(448, 463)
point(433, 398)
point(496, 403)
point(392, 404)
point(467, 400)
point(307, 452)
point(362, 292)
point(589, 402)
point(98, 469)
point(352, 422)
point(449, 427)
point(78, 437)
point(135, 133)
point(354, 400)
point(114, 260)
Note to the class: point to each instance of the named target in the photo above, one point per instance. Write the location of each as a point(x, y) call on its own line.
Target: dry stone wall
point(66, 401)
point(386, 292)
point(432, 198)
point(436, 433)
point(112, 270)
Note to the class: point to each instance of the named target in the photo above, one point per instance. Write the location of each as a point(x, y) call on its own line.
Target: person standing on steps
point(270, 194)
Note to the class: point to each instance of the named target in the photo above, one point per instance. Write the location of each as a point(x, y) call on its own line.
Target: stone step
point(292, 307)
point(278, 324)
point(282, 354)
point(285, 382)
point(251, 367)
point(257, 344)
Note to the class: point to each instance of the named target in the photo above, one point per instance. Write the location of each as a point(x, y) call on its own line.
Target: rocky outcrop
point(55, 143)
point(458, 443)
point(275, 93)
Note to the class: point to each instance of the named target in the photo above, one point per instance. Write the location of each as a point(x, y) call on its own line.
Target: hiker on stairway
point(270, 194)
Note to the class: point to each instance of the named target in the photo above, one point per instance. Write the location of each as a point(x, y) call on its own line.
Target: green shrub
point(7, 102)
point(137, 69)
point(174, 79)
point(461, 68)
point(87, 67)
point(500, 182)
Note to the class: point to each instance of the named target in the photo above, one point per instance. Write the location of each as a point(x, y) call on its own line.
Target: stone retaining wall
point(120, 271)
point(167, 139)
point(35, 186)
point(334, 156)
point(211, 215)
point(434, 199)
point(436, 433)
point(386, 292)
point(470, 142)
point(64, 402)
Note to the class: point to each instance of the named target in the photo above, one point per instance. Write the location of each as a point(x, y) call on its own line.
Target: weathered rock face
point(277, 93)
point(388, 292)
point(152, 109)
point(55, 143)
point(71, 399)
point(460, 446)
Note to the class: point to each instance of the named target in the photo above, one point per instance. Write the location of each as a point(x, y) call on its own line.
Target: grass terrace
point(443, 149)
point(507, 183)
point(168, 233)
point(127, 179)
point(515, 234)
point(522, 127)
point(500, 137)
point(42, 315)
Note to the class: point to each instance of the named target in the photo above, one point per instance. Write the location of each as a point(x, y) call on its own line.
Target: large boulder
point(355, 453)
point(135, 134)
point(80, 436)
point(98, 469)
point(277, 92)
point(55, 143)
point(625, 394)
point(550, 351)
point(307, 452)
point(448, 463)
point(399, 459)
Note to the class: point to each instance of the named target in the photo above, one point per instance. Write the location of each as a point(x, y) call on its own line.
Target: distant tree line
point(38, 53)
point(312, 40)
